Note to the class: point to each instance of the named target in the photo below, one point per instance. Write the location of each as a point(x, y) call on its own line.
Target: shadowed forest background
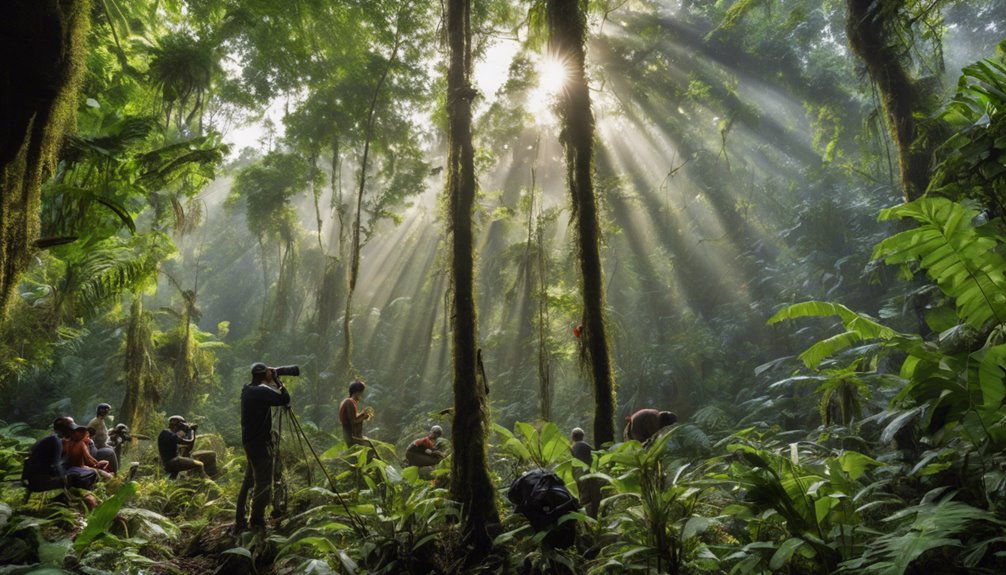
point(221, 182)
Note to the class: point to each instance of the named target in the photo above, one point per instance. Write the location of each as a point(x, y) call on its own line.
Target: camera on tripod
point(292, 370)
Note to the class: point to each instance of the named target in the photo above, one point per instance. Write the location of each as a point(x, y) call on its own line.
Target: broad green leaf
point(990, 376)
point(101, 518)
point(784, 552)
point(695, 526)
point(855, 464)
point(240, 551)
point(858, 327)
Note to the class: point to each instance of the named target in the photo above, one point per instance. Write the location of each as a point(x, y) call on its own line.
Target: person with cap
point(77, 452)
point(424, 451)
point(100, 449)
point(119, 436)
point(351, 418)
point(46, 469)
point(178, 435)
point(645, 423)
point(258, 397)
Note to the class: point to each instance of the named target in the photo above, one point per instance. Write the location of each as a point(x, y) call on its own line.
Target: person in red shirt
point(645, 423)
point(423, 452)
point(352, 418)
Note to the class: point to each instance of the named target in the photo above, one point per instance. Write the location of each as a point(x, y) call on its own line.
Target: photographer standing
point(257, 400)
point(178, 436)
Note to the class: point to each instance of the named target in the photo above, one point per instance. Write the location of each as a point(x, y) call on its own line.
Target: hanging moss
point(902, 98)
point(567, 36)
point(41, 43)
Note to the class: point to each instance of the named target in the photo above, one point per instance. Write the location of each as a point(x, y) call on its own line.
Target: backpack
point(541, 496)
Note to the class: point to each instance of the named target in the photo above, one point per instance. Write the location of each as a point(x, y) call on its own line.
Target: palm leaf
point(961, 258)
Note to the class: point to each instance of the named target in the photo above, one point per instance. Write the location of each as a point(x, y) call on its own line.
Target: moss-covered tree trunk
point(41, 45)
point(567, 35)
point(869, 28)
point(470, 482)
point(137, 367)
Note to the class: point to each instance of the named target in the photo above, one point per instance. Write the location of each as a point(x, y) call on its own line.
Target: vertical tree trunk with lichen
point(41, 44)
point(869, 28)
point(567, 25)
point(136, 365)
point(470, 481)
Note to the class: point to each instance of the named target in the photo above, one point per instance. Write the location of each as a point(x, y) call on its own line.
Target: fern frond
point(109, 273)
point(961, 258)
point(935, 525)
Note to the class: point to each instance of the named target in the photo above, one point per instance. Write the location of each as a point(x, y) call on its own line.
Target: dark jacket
point(45, 458)
point(257, 402)
point(582, 451)
point(167, 445)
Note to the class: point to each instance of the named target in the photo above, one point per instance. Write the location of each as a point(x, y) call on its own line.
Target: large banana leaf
point(962, 259)
point(858, 328)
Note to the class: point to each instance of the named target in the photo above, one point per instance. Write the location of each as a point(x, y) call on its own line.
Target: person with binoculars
point(257, 400)
point(174, 443)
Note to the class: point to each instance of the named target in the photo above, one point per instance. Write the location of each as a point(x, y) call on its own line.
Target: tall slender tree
point(567, 26)
point(41, 43)
point(470, 482)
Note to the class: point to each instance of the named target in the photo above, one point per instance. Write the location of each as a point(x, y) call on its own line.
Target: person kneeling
point(178, 434)
point(423, 452)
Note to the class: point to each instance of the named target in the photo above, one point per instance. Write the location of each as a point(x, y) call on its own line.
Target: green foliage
point(973, 158)
point(101, 518)
point(936, 523)
point(960, 257)
point(859, 328)
point(268, 188)
point(653, 506)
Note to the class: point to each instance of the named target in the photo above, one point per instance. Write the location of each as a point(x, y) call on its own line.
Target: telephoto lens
point(293, 370)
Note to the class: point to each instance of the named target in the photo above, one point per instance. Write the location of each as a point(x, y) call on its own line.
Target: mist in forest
point(727, 189)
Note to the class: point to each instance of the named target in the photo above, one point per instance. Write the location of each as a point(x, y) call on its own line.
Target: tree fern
point(961, 258)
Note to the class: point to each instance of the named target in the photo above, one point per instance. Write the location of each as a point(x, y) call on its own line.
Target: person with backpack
point(541, 496)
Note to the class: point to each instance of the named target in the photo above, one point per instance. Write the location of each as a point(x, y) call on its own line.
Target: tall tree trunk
point(536, 245)
point(136, 364)
point(869, 27)
point(470, 482)
point(567, 35)
point(354, 265)
point(544, 353)
point(41, 45)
